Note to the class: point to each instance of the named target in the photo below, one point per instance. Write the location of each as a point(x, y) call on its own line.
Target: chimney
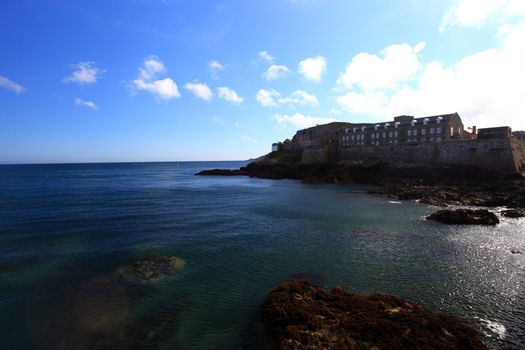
point(474, 130)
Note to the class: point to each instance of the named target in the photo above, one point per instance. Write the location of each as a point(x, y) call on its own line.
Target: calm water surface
point(65, 229)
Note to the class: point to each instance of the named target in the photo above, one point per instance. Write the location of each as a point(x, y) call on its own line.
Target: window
point(384, 135)
point(353, 137)
point(390, 134)
point(438, 139)
point(423, 131)
point(451, 131)
point(431, 131)
point(396, 133)
point(409, 133)
point(415, 132)
point(373, 136)
point(438, 130)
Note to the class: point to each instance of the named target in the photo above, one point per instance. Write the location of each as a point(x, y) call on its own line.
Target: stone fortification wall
point(518, 150)
point(491, 154)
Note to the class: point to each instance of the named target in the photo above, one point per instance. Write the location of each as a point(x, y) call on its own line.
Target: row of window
point(395, 124)
point(395, 142)
point(390, 134)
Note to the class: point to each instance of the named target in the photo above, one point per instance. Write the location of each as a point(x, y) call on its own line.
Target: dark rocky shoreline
point(443, 186)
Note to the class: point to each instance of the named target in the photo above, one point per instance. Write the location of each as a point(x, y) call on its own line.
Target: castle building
point(407, 141)
point(405, 130)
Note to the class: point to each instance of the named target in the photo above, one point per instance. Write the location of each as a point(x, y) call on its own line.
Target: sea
point(65, 229)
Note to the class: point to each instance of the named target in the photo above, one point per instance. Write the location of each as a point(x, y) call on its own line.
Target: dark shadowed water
point(65, 229)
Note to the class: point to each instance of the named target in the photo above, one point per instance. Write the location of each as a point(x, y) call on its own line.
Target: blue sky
point(154, 80)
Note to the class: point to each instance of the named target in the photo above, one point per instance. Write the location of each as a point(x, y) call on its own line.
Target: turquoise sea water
point(65, 229)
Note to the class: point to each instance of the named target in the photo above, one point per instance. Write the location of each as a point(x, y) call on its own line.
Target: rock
point(516, 251)
point(222, 172)
point(465, 217)
point(150, 270)
point(303, 316)
point(513, 213)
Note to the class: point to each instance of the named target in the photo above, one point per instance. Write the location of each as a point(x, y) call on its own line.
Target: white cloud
point(275, 71)
point(88, 104)
point(11, 85)
point(267, 98)
point(229, 95)
point(272, 98)
point(313, 68)
point(200, 90)
point(215, 67)
point(485, 88)
point(476, 13)
point(299, 97)
point(370, 72)
point(147, 80)
point(265, 56)
point(299, 120)
point(85, 73)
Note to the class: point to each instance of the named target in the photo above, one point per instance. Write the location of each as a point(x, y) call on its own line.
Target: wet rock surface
point(302, 316)
point(465, 217)
point(150, 270)
point(513, 213)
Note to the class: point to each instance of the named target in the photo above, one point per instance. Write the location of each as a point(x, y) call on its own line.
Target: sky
point(179, 80)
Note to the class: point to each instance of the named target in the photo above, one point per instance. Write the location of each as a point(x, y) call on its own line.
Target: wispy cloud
point(200, 90)
point(272, 98)
point(265, 56)
point(215, 67)
point(313, 68)
point(165, 89)
point(229, 95)
point(88, 104)
point(275, 71)
point(84, 73)
point(299, 120)
point(11, 85)
point(476, 13)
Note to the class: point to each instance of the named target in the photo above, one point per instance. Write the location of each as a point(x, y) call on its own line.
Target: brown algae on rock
point(150, 270)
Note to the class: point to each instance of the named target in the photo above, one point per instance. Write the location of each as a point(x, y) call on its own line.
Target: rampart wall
point(498, 155)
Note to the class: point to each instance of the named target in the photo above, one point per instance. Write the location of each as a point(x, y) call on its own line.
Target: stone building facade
point(408, 141)
point(405, 130)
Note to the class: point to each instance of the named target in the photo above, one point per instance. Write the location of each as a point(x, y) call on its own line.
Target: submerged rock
point(150, 270)
point(513, 213)
point(465, 217)
point(303, 316)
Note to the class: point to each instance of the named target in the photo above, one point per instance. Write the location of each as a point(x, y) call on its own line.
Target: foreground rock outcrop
point(465, 217)
point(150, 270)
point(303, 316)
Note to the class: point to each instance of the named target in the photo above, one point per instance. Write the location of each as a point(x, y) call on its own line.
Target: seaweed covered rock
point(303, 316)
point(464, 217)
point(150, 270)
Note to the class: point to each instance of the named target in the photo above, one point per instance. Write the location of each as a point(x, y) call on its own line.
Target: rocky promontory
point(439, 186)
point(302, 316)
